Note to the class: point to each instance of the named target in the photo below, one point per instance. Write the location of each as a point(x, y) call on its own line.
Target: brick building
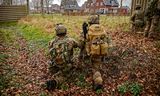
point(69, 6)
point(101, 6)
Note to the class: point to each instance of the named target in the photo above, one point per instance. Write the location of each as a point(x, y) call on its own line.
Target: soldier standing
point(153, 16)
point(137, 19)
point(61, 51)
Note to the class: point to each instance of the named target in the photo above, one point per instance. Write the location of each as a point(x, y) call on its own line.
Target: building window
point(101, 3)
point(88, 5)
point(91, 4)
point(97, 3)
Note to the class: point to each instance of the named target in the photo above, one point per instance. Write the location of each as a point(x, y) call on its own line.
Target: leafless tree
point(121, 3)
point(7, 2)
point(90, 2)
point(36, 4)
point(28, 6)
point(48, 3)
point(1, 1)
point(42, 7)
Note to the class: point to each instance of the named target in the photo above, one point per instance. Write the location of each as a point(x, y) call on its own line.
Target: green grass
point(6, 71)
point(8, 24)
point(74, 23)
point(133, 88)
point(99, 91)
point(5, 36)
point(35, 36)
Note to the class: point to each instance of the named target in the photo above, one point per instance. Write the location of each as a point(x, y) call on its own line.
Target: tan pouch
point(95, 49)
point(104, 49)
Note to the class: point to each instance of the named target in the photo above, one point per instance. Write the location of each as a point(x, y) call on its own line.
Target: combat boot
point(97, 81)
point(51, 85)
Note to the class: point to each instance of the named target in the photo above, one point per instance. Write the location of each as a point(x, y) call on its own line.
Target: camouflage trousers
point(151, 29)
point(65, 73)
point(97, 66)
point(137, 26)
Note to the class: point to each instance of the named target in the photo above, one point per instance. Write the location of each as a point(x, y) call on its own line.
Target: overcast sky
point(125, 2)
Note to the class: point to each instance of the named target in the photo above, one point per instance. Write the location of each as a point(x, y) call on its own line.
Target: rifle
point(85, 32)
point(85, 29)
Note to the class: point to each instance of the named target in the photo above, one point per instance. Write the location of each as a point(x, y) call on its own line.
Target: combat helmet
point(94, 19)
point(138, 6)
point(60, 29)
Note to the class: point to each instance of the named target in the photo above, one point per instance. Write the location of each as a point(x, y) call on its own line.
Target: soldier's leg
point(154, 25)
point(133, 28)
point(97, 77)
point(59, 79)
point(148, 25)
point(55, 81)
point(52, 67)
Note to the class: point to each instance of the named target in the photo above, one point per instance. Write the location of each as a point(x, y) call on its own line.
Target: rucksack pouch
point(59, 60)
point(104, 49)
point(99, 49)
point(95, 49)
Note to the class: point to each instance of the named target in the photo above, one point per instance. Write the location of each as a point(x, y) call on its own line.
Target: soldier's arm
point(50, 45)
point(76, 44)
point(133, 17)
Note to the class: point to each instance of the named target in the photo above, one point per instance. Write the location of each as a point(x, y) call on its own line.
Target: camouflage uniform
point(153, 19)
point(137, 19)
point(61, 69)
point(96, 61)
point(93, 19)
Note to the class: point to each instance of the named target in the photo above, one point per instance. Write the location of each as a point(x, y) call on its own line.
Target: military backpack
point(60, 52)
point(96, 44)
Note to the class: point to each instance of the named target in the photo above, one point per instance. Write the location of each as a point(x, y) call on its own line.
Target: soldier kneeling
point(61, 52)
point(97, 46)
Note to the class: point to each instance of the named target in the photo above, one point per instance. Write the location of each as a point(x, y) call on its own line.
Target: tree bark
point(121, 3)
point(42, 10)
point(28, 6)
point(47, 5)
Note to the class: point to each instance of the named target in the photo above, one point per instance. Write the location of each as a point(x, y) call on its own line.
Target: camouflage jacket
point(69, 45)
point(137, 15)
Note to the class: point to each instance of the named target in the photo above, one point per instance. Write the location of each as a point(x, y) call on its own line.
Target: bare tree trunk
point(21, 2)
point(28, 6)
point(37, 5)
point(90, 1)
point(42, 10)
point(47, 5)
point(121, 3)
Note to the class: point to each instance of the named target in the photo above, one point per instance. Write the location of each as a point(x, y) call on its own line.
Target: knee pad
point(97, 78)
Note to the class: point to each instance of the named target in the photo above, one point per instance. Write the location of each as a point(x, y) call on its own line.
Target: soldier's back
point(139, 15)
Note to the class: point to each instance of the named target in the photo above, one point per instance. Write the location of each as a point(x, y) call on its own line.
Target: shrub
point(133, 88)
